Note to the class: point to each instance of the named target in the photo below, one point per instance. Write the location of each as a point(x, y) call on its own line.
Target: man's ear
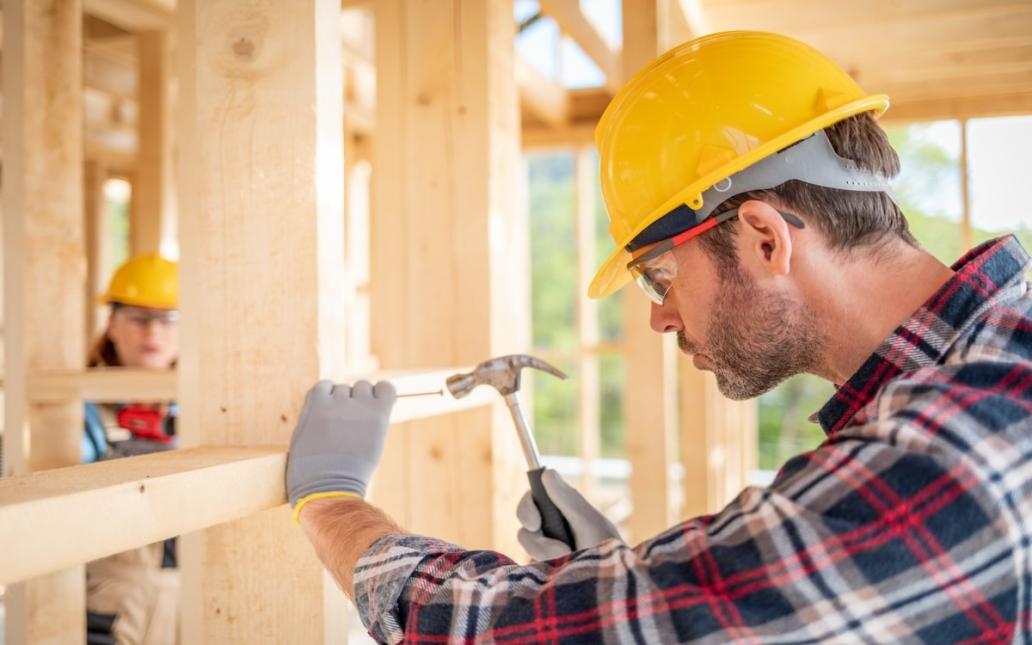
point(765, 240)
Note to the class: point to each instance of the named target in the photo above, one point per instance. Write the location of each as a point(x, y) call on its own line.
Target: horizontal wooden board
point(56, 518)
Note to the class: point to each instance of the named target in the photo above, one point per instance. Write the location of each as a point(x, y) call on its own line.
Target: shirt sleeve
point(857, 540)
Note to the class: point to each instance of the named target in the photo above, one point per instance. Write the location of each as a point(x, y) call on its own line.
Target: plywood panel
point(44, 274)
point(261, 277)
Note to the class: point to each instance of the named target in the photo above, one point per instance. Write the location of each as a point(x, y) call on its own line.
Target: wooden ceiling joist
point(575, 24)
point(134, 15)
point(546, 100)
point(964, 107)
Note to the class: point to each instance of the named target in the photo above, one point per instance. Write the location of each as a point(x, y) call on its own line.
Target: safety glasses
point(143, 317)
point(654, 271)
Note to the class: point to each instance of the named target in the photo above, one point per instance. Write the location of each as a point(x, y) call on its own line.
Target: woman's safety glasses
point(654, 270)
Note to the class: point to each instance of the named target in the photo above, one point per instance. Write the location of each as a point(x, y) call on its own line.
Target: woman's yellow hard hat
point(700, 113)
point(146, 281)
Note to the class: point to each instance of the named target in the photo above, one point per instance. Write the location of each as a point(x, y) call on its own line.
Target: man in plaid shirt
point(780, 254)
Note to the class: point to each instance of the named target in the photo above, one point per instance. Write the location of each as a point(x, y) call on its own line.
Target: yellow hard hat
point(700, 113)
point(146, 281)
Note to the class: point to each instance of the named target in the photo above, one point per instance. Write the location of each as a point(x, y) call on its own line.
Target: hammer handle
point(553, 524)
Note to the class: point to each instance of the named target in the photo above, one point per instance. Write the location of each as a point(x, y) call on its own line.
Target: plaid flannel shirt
point(911, 522)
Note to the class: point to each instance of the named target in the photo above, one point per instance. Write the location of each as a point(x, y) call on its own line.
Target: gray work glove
point(589, 526)
point(338, 441)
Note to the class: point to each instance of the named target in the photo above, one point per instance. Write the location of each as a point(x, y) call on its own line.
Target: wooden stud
point(121, 504)
point(586, 169)
point(650, 417)
point(449, 255)
point(545, 99)
point(262, 275)
point(153, 195)
point(134, 15)
point(573, 23)
point(102, 385)
point(967, 238)
point(152, 497)
point(98, 246)
point(44, 274)
point(572, 136)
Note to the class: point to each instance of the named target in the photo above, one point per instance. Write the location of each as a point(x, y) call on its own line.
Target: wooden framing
point(964, 163)
point(149, 498)
point(546, 100)
point(649, 423)
point(262, 93)
point(153, 202)
point(43, 275)
point(134, 15)
point(573, 22)
point(588, 399)
point(261, 277)
point(449, 255)
point(98, 245)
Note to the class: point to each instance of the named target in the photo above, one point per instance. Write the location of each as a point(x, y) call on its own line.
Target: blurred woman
point(133, 597)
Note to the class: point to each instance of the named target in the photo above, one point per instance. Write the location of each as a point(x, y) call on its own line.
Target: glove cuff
point(308, 498)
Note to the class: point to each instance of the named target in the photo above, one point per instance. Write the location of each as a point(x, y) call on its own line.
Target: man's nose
point(664, 318)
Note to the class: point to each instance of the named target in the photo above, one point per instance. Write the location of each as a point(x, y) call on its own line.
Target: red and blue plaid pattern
point(912, 522)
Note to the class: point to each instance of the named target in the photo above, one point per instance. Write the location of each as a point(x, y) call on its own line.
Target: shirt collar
point(924, 338)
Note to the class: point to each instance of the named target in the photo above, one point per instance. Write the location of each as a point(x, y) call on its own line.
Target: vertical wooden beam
point(357, 187)
point(261, 274)
point(449, 254)
point(714, 436)
point(98, 245)
point(153, 191)
point(44, 273)
point(587, 317)
point(650, 420)
point(967, 236)
point(717, 442)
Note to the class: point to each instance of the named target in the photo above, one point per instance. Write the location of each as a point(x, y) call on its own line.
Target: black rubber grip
point(553, 524)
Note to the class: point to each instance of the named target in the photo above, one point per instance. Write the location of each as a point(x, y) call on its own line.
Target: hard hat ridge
point(812, 160)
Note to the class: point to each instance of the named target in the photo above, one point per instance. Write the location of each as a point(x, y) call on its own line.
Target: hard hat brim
point(612, 276)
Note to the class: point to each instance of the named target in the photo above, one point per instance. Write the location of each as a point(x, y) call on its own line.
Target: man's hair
point(848, 220)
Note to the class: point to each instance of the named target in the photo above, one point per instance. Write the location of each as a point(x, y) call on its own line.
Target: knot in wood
point(243, 47)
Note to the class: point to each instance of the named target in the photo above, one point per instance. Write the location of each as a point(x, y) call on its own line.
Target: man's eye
point(660, 274)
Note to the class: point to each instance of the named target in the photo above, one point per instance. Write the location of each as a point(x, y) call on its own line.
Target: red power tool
point(144, 421)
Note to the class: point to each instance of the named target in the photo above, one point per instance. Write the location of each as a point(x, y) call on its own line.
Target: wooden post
point(449, 279)
point(967, 236)
point(650, 417)
point(153, 191)
point(44, 273)
point(587, 318)
point(715, 436)
point(261, 288)
point(98, 245)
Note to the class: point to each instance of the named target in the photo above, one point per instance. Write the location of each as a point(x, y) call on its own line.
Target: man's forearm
point(341, 529)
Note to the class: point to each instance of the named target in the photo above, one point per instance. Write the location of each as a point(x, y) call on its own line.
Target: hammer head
point(502, 373)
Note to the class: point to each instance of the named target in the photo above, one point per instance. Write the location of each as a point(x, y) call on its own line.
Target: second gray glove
point(590, 527)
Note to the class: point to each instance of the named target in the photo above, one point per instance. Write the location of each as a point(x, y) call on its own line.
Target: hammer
point(503, 374)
